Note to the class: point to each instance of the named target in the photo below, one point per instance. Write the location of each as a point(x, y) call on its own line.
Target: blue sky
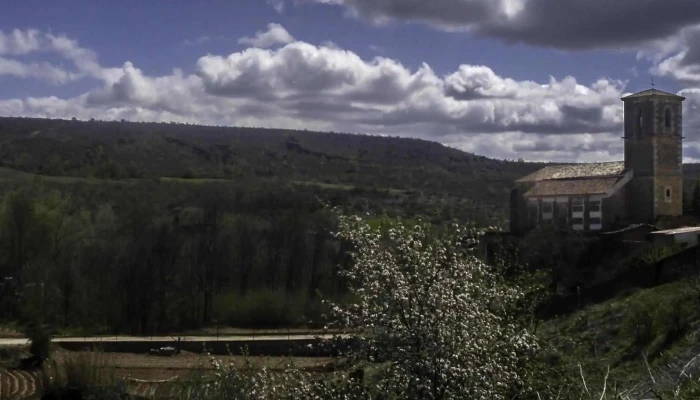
point(503, 78)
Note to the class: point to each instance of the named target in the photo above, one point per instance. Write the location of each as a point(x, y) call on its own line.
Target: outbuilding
point(688, 235)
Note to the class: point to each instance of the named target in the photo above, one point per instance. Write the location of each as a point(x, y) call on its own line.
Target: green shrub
point(673, 317)
point(638, 325)
point(39, 341)
point(261, 309)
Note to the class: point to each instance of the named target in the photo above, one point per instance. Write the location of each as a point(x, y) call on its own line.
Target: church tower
point(654, 153)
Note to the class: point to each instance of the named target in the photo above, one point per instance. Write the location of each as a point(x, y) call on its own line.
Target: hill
point(408, 170)
point(643, 339)
point(125, 150)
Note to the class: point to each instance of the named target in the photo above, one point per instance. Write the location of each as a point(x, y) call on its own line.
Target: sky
point(539, 80)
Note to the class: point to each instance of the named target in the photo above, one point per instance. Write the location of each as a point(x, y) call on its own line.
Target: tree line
point(132, 262)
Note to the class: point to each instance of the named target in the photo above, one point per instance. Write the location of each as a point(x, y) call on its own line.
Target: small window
point(547, 207)
point(594, 221)
point(577, 205)
point(562, 210)
point(640, 120)
point(668, 118)
point(668, 194)
point(532, 211)
point(594, 206)
point(547, 210)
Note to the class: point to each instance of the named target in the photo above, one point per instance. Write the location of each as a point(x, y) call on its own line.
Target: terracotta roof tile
point(568, 187)
point(589, 170)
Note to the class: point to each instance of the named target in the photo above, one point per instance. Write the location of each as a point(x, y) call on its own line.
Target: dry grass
point(148, 367)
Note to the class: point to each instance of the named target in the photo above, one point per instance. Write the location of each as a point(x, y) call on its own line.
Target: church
point(645, 188)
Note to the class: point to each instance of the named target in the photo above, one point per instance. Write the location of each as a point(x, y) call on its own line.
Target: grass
point(87, 375)
point(265, 309)
point(195, 181)
point(10, 330)
point(339, 186)
point(100, 375)
point(658, 324)
point(13, 175)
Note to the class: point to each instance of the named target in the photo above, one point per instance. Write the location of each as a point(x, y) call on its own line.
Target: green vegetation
point(634, 335)
point(84, 376)
point(442, 176)
point(114, 227)
point(39, 342)
point(143, 227)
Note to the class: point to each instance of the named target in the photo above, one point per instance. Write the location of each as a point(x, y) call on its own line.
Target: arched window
point(668, 118)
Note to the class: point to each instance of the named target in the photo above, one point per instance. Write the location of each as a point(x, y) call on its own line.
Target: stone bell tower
point(654, 153)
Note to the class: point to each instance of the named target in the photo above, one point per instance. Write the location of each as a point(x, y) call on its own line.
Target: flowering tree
point(431, 320)
point(436, 319)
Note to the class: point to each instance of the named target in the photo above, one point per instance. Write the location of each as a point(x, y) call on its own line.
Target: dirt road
point(112, 339)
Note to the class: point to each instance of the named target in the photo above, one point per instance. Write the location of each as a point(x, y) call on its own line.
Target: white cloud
point(278, 5)
point(19, 42)
point(376, 49)
point(583, 147)
point(275, 35)
point(198, 41)
point(678, 57)
point(300, 85)
point(85, 60)
point(40, 71)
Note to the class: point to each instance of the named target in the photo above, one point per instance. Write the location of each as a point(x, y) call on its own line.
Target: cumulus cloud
point(275, 35)
point(19, 42)
point(301, 85)
point(582, 147)
point(564, 24)
point(677, 57)
point(40, 71)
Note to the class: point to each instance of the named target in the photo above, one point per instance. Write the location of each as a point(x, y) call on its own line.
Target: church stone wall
point(640, 200)
point(614, 209)
point(639, 156)
point(668, 155)
point(653, 150)
point(661, 205)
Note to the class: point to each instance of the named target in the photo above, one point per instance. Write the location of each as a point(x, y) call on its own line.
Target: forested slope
point(143, 227)
point(121, 150)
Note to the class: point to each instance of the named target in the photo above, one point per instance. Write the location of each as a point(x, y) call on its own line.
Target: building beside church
point(647, 187)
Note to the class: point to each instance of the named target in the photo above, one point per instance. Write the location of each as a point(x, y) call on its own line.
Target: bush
point(261, 309)
point(673, 317)
point(39, 341)
point(638, 325)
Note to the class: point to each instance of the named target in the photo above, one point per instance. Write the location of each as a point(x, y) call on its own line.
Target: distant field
point(194, 180)
point(147, 367)
point(145, 375)
point(12, 175)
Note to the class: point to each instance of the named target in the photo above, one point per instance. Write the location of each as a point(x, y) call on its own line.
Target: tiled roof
point(652, 92)
point(570, 187)
point(590, 170)
point(687, 229)
point(631, 228)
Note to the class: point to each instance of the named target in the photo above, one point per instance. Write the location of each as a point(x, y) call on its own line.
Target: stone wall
point(615, 210)
point(640, 200)
point(668, 170)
